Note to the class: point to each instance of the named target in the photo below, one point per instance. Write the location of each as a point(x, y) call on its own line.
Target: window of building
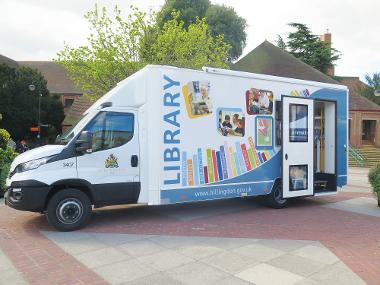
point(68, 102)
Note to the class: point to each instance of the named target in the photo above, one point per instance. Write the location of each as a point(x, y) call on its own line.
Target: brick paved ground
point(354, 238)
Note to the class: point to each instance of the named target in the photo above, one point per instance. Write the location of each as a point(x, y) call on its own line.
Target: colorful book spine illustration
point(260, 157)
point(251, 158)
point(233, 165)
point(224, 162)
point(205, 173)
point(200, 167)
point(219, 164)
point(237, 163)
point(184, 169)
point(210, 166)
point(215, 166)
point(267, 154)
point(228, 159)
point(190, 176)
point(240, 158)
point(195, 169)
point(246, 158)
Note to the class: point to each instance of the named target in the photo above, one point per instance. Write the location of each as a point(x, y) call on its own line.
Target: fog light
point(17, 194)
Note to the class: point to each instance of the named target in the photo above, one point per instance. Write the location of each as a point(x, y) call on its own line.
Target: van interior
point(324, 146)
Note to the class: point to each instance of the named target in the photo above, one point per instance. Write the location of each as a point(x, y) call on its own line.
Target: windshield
point(74, 130)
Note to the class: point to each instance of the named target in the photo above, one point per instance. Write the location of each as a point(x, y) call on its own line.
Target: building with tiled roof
point(8, 61)
point(58, 81)
point(364, 115)
point(80, 105)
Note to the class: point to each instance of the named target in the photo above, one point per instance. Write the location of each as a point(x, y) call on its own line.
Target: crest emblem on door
point(111, 162)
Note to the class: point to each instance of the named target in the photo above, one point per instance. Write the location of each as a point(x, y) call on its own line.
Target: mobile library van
point(170, 135)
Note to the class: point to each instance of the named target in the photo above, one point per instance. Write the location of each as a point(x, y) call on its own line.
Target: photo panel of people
point(259, 102)
point(197, 98)
point(231, 122)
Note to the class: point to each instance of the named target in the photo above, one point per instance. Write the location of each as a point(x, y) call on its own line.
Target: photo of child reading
point(259, 101)
point(199, 98)
point(231, 123)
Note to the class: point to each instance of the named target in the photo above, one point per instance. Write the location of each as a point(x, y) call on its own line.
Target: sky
point(38, 29)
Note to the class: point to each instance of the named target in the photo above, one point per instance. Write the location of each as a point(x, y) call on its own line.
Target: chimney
point(326, 38)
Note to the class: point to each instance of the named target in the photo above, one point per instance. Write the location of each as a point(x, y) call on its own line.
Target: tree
point(309, 48)
point(373, 83)
point(222, 20)
point(193, 47)
point(112, 54)
point(281, 43)
point(118, 48)
point(19, 105)
point(190, 10)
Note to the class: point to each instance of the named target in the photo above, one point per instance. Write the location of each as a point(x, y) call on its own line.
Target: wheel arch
point(79, 184)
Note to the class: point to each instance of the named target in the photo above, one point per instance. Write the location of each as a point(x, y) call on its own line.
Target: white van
point(170, 135)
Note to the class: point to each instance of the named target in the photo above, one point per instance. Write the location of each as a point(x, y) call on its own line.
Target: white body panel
point(167, 181)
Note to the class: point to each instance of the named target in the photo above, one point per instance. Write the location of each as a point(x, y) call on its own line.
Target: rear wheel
point(68, 210)
point(274, 199)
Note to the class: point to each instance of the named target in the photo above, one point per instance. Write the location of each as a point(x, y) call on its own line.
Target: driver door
point(112, 165)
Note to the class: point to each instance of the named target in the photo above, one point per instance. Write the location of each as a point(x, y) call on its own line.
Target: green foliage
point(19, 105)
point(113, 52)
point(373, 83)
point(193, 47)
point(4, 138)
point(374, 180)
point(119, 47)
point(309, 48)
point(6, 157)
point(190, 10)
point(281, 43)
point(221, 20)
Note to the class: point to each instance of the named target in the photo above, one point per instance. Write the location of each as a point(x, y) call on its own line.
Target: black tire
point(274, 199)
point(69, 210)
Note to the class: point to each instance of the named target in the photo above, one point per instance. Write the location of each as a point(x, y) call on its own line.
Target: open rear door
point(297, 146)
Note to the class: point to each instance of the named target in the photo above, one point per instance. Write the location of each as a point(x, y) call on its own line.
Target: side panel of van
point(219, 136)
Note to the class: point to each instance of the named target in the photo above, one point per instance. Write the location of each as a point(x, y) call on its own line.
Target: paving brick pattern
point(206, 260)
point(353, 238)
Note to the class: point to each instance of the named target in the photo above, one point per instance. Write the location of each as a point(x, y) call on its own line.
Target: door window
point(110, 129)
point(298, 130)
point(298, 177)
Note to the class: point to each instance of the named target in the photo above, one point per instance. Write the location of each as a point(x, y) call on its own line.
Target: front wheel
point(68, 210)
point(274, 199)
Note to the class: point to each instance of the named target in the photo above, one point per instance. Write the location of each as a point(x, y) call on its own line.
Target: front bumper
point(27, 195)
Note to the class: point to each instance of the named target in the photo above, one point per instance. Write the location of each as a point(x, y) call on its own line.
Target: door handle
point(286, 156)
point(134, 160)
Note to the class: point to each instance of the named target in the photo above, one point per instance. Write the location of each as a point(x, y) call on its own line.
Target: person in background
point(23, 147)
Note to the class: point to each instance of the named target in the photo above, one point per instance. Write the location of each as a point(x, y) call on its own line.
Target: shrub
point(374, 180)
point(6, 157)
point(4, 138)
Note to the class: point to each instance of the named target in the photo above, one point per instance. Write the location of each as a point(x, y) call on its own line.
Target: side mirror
point(84, 142)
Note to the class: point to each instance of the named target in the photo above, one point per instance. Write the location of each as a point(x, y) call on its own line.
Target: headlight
point(33, 164)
